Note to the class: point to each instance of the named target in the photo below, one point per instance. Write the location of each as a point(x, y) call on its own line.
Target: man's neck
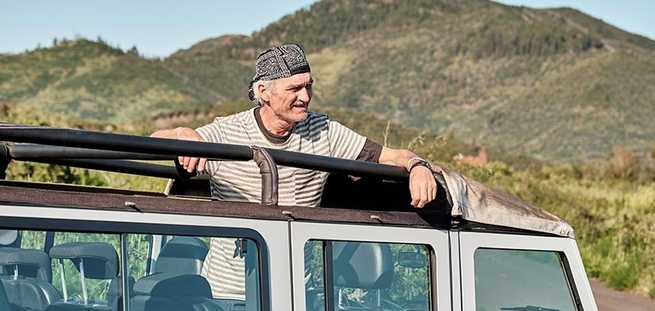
point(273, 123)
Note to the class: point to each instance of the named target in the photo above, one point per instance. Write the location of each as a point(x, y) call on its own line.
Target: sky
point(160, 27)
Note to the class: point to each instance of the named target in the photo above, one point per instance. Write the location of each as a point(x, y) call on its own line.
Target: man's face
point(290, 97)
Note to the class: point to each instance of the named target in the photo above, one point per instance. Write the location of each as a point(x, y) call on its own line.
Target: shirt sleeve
point(344, 142)
point(371, 152)
point(211, 133)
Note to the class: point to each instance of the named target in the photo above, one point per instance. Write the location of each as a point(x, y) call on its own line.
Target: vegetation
point(610, 203)
point(553, 84)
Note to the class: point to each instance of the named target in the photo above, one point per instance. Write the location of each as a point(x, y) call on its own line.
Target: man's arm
point(189, 163)
point(422, 185)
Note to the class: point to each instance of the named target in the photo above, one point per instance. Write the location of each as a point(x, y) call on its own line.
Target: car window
point(42, 270)
point(193, 272)
point(521, 280)
point(367, 276)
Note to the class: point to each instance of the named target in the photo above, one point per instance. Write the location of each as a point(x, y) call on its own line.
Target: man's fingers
point(413, 191)
point(432, 192)
point(192, 165)
point(423, 195)
point(201, 164)
point(415, 195)
point(186, 162)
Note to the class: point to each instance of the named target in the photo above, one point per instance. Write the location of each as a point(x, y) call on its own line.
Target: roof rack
point(116, 152)
point(465, 200)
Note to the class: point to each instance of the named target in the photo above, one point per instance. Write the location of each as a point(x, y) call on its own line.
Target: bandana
point(279, 62)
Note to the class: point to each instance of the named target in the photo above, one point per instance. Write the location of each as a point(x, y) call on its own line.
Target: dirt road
point(609, 299)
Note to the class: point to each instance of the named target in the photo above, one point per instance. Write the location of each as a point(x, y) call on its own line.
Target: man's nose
point(304, 94)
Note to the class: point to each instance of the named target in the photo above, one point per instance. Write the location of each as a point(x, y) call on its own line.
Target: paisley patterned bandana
point(279, 62)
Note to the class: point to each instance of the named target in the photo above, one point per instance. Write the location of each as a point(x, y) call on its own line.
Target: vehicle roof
point(80, 197)
point(467, 200)
point(20, 193)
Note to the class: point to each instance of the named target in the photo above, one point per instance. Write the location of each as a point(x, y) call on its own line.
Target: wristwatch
point(419, 162)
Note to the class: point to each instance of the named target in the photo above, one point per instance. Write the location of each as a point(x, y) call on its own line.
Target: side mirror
point(412, 259)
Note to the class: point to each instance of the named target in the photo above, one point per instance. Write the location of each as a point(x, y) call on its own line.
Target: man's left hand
point(422, 186)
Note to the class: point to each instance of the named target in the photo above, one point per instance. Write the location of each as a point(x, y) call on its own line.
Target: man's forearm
point(422, 185)
point(169, 133)
point(397, 157)
point(184, 133)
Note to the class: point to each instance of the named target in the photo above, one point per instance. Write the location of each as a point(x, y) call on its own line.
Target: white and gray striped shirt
point(241, 181)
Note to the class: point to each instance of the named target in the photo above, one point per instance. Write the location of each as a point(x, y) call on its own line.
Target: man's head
point(283, 82)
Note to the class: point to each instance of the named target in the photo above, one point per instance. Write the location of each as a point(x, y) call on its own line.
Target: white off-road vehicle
point(66, 247)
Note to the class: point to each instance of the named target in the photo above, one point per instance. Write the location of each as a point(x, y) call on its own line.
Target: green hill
point(94, 81)
point(554, 84)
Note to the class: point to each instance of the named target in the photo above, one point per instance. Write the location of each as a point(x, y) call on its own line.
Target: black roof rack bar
point(160, 146)
point(122, 142)
point(38, 151)
point(121, 166)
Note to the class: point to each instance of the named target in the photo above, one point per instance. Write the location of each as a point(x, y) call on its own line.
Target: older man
point(282, 91)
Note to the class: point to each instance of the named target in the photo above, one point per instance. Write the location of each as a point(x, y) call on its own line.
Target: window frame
point(435, 240)
point(470, 242)
point(269, 235)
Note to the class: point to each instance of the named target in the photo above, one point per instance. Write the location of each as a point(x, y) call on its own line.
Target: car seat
point(181, 255)
point(29, 285)
point(9, 238)
point(4, 301)
point(176, 283)
point(93, 260)
point(361, 265)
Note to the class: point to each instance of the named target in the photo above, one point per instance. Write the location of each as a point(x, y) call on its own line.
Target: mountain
point(94, 81)
point(553, 84)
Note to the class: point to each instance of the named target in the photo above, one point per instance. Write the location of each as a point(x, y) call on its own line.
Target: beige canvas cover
point(476, 202)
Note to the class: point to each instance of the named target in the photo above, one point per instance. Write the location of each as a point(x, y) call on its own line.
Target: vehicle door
point(369, 267)
point(522, 272)
point(91, 249)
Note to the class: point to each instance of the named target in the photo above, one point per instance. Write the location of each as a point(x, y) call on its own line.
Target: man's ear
point(265, 93)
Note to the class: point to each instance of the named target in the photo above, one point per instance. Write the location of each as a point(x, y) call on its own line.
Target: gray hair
point(268, 84)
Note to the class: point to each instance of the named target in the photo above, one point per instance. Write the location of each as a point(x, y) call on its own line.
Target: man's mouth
point(299, 105)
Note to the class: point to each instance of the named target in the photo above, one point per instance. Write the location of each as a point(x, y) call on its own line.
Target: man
point(282, 90)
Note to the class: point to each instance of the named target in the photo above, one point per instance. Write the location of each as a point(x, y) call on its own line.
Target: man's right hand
point(184, 133)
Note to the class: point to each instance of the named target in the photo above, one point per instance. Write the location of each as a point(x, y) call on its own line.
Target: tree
point(133, 50)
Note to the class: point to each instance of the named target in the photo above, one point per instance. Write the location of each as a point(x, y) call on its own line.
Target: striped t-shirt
point(241, 181)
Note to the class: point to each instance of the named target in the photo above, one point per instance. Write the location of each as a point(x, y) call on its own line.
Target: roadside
point(609, 299)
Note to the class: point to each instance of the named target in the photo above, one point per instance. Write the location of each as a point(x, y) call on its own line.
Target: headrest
point(100, 259)
point(31, 263)
point(9, 238)
point(362, 265)
point(183, 255)
point(173, 285)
